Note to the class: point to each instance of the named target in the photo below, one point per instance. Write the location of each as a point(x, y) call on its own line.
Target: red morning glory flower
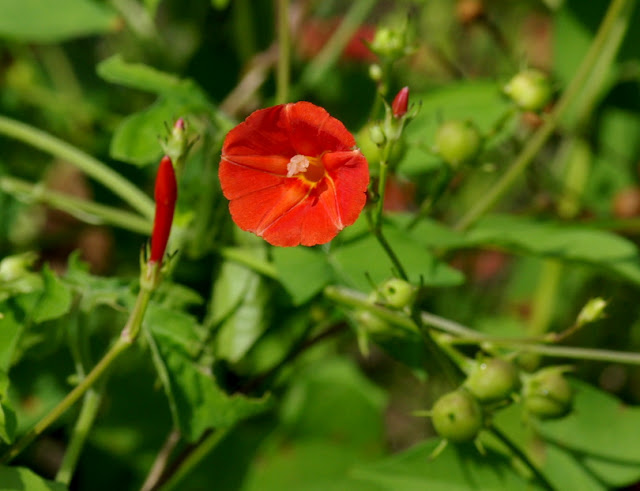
point(293, 175)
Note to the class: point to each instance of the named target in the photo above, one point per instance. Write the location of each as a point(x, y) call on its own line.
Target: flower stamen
point(297, 165)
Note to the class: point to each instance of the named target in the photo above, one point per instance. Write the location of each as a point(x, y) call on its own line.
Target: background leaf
point(22, 479)
point(36, 21)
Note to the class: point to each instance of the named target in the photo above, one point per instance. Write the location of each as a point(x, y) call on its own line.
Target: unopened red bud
point(400, 102)
point(166, 193)
point(179, 124)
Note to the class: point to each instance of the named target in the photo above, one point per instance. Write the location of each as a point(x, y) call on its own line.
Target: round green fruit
point(493, 380)
point(397, 293)
point(529, 89)
point(457, 416)
point(547, 394)
point(458, 142)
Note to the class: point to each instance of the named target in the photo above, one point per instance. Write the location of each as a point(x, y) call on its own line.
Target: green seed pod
point(547, 394)
point(457, 416)
point(458, 142)
point(529, 89)
point(397, 293)
point(493, 380)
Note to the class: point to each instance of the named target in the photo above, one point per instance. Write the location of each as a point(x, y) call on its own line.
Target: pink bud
point(400, 103)
point(179, 124)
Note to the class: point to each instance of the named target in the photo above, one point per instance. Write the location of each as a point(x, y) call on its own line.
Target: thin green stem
point(599, 47)
point(390, 253)
point(126, 339)
point(463, 334)
point(199, 452)
point(331, 51)
point(88, 164)
point(90, 406)
point(86, 211)
point(71, 398)
point(284, 53)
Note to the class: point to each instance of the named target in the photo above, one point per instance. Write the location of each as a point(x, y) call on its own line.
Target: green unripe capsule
point(529, 89)
point(397, 293)
point(493, 380)
point(457, 416)
point(547, 394)
point(458, 142)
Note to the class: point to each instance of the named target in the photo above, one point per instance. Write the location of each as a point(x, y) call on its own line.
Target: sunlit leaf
point(36, 21)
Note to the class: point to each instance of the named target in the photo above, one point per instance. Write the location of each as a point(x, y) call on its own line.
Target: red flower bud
point(400, 103)
point(166, 193)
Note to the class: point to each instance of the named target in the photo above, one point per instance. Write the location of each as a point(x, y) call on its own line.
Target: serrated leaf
point(197, 403)
point(302, 271)
point(23, 479)
point(53, 301)
point(44, 22)
point(95, 290)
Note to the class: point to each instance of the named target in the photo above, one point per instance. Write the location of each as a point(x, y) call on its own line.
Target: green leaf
point(136, 140)
point(319, 390)
point(220, 4)
point(240, 308)
point(480, 101)
point(197, 403)
point(137, 76)
point(565, 242)
point(151, 6)
point(10, 330)
point(8, 422)
point(53, 301)
point(44, 22)
point(22, 479)
point(583, 430)
point(353, 260)
point(309, 466)
point(96, 290)
point(457, 468)
point(613, 473)
point(302, 271)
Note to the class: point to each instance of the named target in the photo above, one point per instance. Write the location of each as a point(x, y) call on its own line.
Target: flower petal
point(349, 173)
point(262, 133)
point(313, 131)
point(257, 211)
point(238, 181)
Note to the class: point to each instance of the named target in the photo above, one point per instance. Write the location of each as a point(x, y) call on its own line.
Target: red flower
point(293, 175)
point(166, 193)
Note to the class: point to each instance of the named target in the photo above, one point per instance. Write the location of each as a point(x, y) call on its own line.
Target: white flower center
point(297, 164)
